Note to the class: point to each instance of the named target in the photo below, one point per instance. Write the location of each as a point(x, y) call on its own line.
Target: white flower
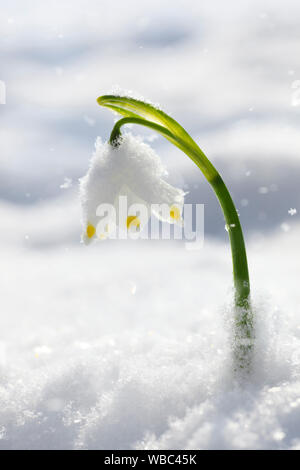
point(131, 169)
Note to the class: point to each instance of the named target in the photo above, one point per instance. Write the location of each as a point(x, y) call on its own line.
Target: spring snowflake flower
point(131, 169)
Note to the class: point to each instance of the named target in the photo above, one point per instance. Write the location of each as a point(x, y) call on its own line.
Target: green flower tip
point(101, 100)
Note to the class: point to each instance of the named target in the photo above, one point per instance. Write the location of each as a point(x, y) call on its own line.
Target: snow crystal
point(292, 211)
point(122, 92)
point(66, 184)
point(228, 227)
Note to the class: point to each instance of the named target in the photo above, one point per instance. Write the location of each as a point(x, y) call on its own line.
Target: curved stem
point(116, 132)
point(239, 257)
point(195, 153)
point(243, 315)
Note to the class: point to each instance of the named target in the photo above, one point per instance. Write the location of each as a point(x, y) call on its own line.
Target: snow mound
point(126, 346)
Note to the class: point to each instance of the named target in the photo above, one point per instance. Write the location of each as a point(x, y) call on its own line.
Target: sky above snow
point(126, 345)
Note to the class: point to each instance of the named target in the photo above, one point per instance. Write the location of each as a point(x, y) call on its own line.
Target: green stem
point(243, 328)
point(239, 257)
point(243, 341)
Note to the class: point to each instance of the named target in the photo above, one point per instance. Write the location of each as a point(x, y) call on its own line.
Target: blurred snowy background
point(125, 345)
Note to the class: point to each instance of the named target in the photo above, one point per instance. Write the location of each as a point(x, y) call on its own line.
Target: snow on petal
point(131, 169)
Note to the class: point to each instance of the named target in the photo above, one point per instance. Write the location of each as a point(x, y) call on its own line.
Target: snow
point(66, 184)
point(127, 344)
point(130, 170)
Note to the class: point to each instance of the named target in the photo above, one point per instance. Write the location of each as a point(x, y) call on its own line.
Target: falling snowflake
point(66, 184)
point(263, 190)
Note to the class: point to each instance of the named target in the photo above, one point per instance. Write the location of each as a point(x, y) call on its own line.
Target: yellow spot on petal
point(90, 231)
point(133, 221)
point(175, 213)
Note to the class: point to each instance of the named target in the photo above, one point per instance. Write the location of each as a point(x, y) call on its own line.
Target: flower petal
point(131, 169)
